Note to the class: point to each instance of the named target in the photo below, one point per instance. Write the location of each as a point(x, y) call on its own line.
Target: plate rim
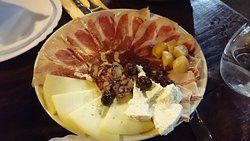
point(58, 7)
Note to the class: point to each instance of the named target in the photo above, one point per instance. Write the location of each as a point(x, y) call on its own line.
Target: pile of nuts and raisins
point(120, 88)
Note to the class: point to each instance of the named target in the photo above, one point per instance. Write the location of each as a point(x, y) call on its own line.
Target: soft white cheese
point(170, 94)
point(154, 92)
point(165, 117)
point(159, 103)
point(138, 107)
point(167, 109)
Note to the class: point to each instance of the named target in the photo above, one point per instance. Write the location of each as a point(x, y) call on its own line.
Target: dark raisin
point(144, 83)
point(156, 73)
point(164, 81)
point(131, 69)
point(108, 97)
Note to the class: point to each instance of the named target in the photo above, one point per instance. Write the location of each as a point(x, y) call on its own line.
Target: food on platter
point(120, 75)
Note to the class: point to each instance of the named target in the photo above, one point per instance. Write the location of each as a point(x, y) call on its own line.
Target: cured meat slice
point(77, 35)
point(46, 66)
point(67, 56)
point(58, 51)
point(128, 23)
point(152, 32)
point(183, 39)
point(86, 39)
point(102, 26)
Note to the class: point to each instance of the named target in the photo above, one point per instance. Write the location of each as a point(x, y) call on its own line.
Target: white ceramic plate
point(26, 24)
point(201, 85)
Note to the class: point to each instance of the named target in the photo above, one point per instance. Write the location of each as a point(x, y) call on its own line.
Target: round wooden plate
point(39, 85)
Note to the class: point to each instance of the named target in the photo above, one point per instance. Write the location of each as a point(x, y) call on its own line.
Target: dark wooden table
point(226, 113)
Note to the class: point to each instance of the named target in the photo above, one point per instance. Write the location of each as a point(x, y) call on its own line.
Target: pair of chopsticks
point(78, 8)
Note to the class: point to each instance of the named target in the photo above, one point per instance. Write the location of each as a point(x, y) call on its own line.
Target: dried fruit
point(164, 81)
point(108, 97)
point(144, 83)
point(131, 69)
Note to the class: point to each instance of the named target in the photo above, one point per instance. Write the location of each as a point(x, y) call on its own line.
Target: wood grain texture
point(226, 113)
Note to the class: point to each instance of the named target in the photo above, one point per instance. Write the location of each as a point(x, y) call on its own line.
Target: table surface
point(226, 113)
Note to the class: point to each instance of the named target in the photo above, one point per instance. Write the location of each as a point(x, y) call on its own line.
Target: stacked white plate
point(25, 23)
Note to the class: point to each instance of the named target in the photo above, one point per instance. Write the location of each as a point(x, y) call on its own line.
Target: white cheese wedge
point(170, 94)
point(89, 118)
point(54, 85)
point(117, 122)
point(154, 92)
point(138, 107)
point(165, 117)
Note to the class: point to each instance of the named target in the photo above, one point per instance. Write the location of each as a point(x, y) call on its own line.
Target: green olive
point(167, 60)
point(180, 50)
point(163, 46)
point(180, 64)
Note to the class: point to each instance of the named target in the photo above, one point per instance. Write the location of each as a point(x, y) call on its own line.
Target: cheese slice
point(166, 116)
point(170, 94)
point(54, 85)
point(89, 118)
point(154, 92)
point(138, 106)
point(67, 103)
point(117, 122)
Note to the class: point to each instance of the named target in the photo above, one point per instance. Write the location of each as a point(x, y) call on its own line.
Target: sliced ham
point(195, 91)
point(78, 36)
point(46, 66)
point(195, 65)
point(183, 39)
point(102, 26)
point(128, 23)
point(182, 78)
point(57, 51)
point(152, 32)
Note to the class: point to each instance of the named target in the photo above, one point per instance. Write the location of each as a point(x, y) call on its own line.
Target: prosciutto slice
point(61, 53)
point(183, 39)
point(102, 27)
point(150, 33)
point(128, 23)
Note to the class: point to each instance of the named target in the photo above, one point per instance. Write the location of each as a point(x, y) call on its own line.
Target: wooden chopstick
point(72, 9)
point(74, 12)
